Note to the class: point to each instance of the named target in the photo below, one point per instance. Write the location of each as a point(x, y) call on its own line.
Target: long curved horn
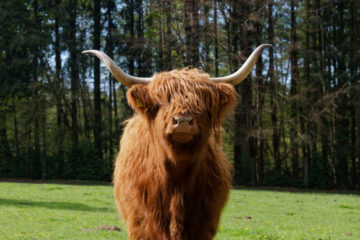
point(116, 71)
point(245, 69)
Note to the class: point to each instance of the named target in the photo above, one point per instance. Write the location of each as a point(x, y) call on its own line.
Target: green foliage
point(320, 173)
point(47, 103)
point(83, 163)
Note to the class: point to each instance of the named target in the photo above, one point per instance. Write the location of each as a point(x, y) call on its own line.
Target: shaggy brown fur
point(166, 190)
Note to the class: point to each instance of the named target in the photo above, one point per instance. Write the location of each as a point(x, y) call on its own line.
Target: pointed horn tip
point(265, 45)
point(88, 52)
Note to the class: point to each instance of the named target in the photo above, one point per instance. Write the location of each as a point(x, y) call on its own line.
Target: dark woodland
point(297, 122)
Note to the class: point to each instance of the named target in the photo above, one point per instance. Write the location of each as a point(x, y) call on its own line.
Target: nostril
point(175, 121)
point(191, 122)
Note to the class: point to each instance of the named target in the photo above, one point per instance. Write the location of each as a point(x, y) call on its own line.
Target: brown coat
point(166, 190)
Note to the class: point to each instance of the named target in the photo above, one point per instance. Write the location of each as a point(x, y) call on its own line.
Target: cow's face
point(183, 106)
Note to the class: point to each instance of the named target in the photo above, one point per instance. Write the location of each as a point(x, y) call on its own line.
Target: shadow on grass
point(59, 181)
point(52, 205)
point(297, 190)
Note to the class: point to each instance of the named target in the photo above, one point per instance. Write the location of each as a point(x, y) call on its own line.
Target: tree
point(58, 91)
point(260, 100)
point(272, 88)
point(293, 92)
point(110, 4)
point(74, 72)
point(97, 92)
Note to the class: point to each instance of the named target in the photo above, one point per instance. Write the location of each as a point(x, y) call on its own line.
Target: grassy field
point(56, 211)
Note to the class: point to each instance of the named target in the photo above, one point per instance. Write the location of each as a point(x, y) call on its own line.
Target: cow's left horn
point(245, 69)
point(116, 71)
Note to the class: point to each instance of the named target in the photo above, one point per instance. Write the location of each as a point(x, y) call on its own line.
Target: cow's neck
point(179, 163)
point(182, 169)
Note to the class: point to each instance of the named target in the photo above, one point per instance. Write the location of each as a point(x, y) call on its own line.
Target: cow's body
point(167, 190)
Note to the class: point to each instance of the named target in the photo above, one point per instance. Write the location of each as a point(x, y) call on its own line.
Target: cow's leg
point(202, 228)
point(177, 217)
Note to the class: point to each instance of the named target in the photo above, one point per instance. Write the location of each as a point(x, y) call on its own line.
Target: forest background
point(297, 122)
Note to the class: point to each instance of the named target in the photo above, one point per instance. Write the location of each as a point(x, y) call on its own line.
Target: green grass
point(55, 211)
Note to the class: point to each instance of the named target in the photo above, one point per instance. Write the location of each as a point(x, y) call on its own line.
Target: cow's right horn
point(245, 69)
point(116, 71)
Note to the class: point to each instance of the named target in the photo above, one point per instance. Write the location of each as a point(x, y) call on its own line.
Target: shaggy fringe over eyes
point(191, 89)
point(193, 92)
point(188, 87)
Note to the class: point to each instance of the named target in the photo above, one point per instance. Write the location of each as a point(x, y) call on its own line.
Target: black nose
point(182, 120)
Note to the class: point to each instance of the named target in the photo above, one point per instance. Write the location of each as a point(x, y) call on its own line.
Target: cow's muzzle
point(182, 128)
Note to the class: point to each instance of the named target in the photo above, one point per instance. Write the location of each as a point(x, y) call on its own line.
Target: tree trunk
point(116, 116)
point(195, 33)
point(109, 50)
point(74, 74)
point(16, 130)
point(169, 37)
point(87, 108)
point(293, 93)
point(207, 37)
point(244, 151)
point(324, 46)
point(272, 89)
point(260, 103)
point(97, 90)
point(160, 58)
point(44, 140)
point(216, 41)
point(59, 137)
point(342, 129)
point(304, 107)
point(36, 166)
point(315, 85)
point(232, 25)
point(5, 152)
point(355, 94)
point(139, 53)
point(131, 21)
point(188, 32)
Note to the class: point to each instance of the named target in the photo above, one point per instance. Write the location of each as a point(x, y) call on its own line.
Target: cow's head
point(182, 107)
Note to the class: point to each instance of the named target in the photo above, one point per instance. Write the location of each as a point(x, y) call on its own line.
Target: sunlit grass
point(55, 211)
point(256, 214)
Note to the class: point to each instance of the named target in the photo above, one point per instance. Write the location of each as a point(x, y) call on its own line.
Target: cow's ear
point(139, 99)
point(227, 97)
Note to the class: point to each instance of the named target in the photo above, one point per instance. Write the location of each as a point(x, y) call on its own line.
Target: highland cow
point(171, 178)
